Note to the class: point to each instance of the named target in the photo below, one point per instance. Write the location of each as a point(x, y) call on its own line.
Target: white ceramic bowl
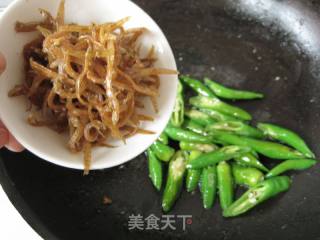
point(46, 143)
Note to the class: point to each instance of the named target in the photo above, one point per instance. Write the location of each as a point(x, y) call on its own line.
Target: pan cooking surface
point(269, 46)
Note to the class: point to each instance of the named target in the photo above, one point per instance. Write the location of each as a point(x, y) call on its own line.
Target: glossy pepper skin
point(266, 148)
point(250, 160)
point(229, 93)
point(190, 146)
point(235, 127)
point(225, 184)
point(194, 127)
point(208, 186)
point(218, 105)
point(176, 172)
point(177, 116)
point(258, 194)
point(193, 175)
point(218, 116)
point(197, 86)
point(162, 151)
point(286, 136)
point(155, 169)
point(163, 138)
point(199, 117)
point(294, 164)
point(246, 176)
point(212, 158)
point(179, 134)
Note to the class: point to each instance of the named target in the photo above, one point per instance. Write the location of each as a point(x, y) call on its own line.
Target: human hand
point(6, 138)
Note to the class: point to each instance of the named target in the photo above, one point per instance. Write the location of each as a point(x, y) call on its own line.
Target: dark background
point(271, 47)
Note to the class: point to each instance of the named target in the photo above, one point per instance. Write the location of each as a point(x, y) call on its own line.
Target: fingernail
point(4, 137)
point(2, 63)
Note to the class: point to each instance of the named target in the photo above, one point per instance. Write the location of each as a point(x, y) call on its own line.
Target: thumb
point(4, 137)
point(2, 63)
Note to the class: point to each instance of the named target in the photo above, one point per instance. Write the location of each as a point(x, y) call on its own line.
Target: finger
point(9, 141)
point(13, 145)
point(2, 63)
point(4, 137)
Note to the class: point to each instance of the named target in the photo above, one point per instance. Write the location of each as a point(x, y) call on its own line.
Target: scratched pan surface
point(265, 45)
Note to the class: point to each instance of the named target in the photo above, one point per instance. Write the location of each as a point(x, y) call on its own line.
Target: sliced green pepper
point(163, 138)
point(177, 116)
point(155, 169)
point(294, 164)
point(246, 176)
point(268, 149)
point(236, 127)
point(225, 185)
point(250, 160)
point(197, 86)
point(208, 186)
point(194, 127)
point(286, 136)
point(218, 105)
point(193, 175)
point(258, 194)
point(202, 147)
point(218, 116)
point(229, 93)
point(212, 158)
point(199, 117)
point(162, 151)
point(179, 134)
point(177, 168)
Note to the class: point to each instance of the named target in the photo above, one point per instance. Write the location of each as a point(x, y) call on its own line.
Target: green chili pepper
point(177, 116)
point(246, 176)
point(174, 182)
point(286, 136)
point(194, 127)
point(294, 164)
point(255, 154)
point(212, 158)
point(208, 186)
point(268, 149)
point(190, 146)
point(229, 93)
point(155, 169)
point(216, 104)
point(163, 138)
point(258, 194)
point(162, 151)
point(236, 127)
point(218, 116)
point(193, 175)
point(225, 185)
point(199, 117)
point(197, 86)
point(179, 134)
point(250, 160)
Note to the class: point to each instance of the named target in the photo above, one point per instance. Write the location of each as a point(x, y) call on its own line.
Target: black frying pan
point(271, 46)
